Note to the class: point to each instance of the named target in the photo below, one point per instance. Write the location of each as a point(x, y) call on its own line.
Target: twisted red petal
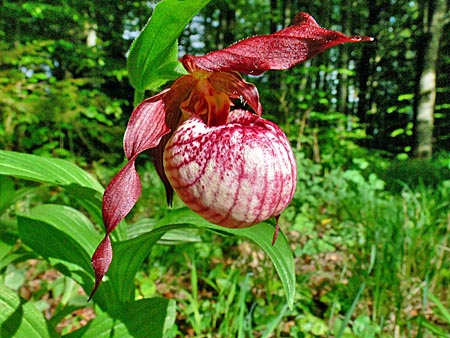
point(179, 91)
point(121, 195)
point(281, 50)
point(145, 129)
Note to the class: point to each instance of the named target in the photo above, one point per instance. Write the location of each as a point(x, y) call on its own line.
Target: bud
point(234, 175)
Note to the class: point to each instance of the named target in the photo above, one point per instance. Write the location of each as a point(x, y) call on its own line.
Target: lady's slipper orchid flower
point(232, 167)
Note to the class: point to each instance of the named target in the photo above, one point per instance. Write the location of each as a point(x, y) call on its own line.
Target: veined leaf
point(70, 221)
point(77, 182)
point(66, 238)
point(262, 234)
point(21, 320)
point(156, 46)
point(91, 200)
point(48, 170)
point(143, 318)
point(129, 255)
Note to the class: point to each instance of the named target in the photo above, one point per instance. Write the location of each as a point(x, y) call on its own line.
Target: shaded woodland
point(64, 70)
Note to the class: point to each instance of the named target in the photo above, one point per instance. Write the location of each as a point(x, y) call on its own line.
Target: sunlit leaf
point(77, 182)
point(129, 255)
point(143, 318)
point(48, 170)
point(66, 238)
point(262, 234)
point(156, 47)
point(21, 319)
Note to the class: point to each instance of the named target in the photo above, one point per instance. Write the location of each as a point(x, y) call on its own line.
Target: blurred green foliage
point(64, 86)
point(62, 70)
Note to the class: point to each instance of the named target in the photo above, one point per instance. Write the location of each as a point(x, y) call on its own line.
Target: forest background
point(369, 124)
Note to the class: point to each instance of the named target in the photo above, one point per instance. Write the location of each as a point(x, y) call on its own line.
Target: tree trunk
point(365, 69)
point(426, 91)
point(227, 22)
point(343, 62)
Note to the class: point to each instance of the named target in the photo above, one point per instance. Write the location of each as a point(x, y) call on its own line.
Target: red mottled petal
point(281, 50)
point(100, 261)
point(180, 90)
point(120, 196)
point(145, 129)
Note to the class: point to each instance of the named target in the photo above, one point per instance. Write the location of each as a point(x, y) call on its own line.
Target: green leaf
point(173, 237)
point(143, 318)
point(38, 231)
point(7, 196)
point(445, 313)
point(49, 170)
point(77, 182)
point(68, 220)
point(90, 199)
point(156, 46)
point(434, 329)
point(19, 319)
point(129, 255)
point(261, 234)
point(168, 71)
point(397, 132)
point(127, 259)
point(280, 253)
point(8, 255)
point(66, 238)
point(403, 97)
point(350, 311)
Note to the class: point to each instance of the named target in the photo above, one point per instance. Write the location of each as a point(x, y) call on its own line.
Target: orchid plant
point(210, 145)
point(230, 166)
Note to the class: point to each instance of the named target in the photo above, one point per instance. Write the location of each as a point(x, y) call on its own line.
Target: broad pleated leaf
point(156, 47)
point(262, 234)
point(47, 170)
point(143, 318)
point(77, 182)
point(130, 254)
point(66, 238)
point(21, 319)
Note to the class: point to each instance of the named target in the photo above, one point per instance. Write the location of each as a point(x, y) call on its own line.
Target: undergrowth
point(367, 259)
point(372, 260)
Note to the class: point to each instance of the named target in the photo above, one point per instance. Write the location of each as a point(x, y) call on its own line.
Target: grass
point(372, 260)
point(367, 258)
